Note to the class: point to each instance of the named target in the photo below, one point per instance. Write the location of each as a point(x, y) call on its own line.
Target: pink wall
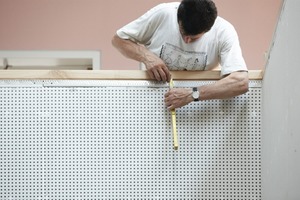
point(90, 25)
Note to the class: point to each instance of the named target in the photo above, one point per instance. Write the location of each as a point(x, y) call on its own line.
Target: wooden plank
point(111, 75)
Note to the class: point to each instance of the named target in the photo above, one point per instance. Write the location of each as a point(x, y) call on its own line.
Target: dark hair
point(196, 16)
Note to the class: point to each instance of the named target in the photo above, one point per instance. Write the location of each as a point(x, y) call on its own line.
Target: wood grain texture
point(112, 75)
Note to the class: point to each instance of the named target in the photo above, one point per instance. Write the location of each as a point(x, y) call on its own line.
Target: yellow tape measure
point(173, 116)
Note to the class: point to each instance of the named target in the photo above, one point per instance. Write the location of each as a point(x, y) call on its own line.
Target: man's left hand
point(178, 97)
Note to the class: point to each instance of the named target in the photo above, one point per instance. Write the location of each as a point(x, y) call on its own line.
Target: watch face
point(195, 95)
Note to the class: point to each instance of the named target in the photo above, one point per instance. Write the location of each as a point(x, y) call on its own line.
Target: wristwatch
point(195, 94)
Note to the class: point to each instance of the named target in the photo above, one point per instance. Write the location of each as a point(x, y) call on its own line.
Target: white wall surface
point(281, 109)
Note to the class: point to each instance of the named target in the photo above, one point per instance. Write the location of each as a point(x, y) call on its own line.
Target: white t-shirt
point(158, 30)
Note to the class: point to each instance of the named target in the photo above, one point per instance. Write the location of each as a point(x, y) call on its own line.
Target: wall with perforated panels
point(113, 140)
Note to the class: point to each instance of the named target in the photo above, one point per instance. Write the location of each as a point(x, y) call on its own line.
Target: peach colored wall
point(90, 25)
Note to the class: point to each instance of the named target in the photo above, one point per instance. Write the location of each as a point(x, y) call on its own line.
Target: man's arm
point(232, 85)
point(156, 68)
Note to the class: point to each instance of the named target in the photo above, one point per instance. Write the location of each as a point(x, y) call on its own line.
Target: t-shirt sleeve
point(142, 29)
point(231, 58)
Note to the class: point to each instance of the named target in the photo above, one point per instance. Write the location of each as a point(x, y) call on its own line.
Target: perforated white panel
point(113, 140)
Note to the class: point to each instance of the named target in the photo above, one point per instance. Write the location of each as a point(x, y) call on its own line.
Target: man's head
point(196, 17)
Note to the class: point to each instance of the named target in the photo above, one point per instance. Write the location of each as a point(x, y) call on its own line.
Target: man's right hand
point(157, 69)
point(155, 66)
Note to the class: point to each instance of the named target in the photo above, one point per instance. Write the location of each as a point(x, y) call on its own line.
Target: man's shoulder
point(222, 23)
point(168, 5)
point(165, 6)
point(163, 11)
point(222, 29)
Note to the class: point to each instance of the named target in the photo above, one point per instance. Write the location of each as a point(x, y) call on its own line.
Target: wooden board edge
point(111, 75)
